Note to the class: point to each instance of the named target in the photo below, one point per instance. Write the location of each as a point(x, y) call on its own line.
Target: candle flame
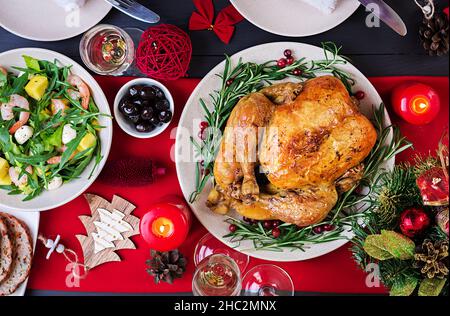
point(420, 105)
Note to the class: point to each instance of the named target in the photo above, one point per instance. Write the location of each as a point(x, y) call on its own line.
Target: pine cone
point(432, 259)
point(166, 266)
point(434, 35)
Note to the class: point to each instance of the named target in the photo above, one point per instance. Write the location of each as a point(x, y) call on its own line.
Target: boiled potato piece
point(36, 87)
point(5, 180)
point(4, 167)
point(88, 141)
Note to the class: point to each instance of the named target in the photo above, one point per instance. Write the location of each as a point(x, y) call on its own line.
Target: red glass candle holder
point(166, 225)
point(416, 103)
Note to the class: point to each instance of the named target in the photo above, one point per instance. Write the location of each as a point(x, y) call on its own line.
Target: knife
point(386, 14)
point(135, 10)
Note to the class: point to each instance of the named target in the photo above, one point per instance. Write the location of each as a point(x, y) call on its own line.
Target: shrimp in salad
point(19, 181)
point(83, 92)
point(7, 111)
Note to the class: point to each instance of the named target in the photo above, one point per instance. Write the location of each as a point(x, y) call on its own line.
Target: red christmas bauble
point(414, 221)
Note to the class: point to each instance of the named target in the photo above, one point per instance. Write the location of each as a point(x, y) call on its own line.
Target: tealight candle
point(416, 103)
point(166, 225)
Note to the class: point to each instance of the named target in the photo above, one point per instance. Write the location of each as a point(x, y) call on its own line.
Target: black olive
point(147, 93)
point(146, 113)
point(144, 127)
point(147, 104)
point(154, 120)
point(162, 105)
point(165, 116)
point(134, 118)
point(138, 103)
point(130, 109)
point(134, 90)
point(159, 93)
point(123, 103)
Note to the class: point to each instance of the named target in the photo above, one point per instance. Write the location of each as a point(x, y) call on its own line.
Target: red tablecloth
point(335, 272)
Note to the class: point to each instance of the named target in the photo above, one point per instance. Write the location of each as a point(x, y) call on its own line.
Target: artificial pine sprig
point(391, 193)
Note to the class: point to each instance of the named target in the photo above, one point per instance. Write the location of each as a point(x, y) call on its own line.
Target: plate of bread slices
point(18, 234)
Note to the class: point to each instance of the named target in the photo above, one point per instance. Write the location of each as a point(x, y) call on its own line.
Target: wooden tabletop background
point(375, 51)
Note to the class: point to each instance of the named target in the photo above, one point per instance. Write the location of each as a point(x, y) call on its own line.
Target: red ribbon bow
point(223, 26)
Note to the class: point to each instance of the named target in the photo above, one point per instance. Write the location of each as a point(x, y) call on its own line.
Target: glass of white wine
point(217, 275)
point(219, 271)
point(109, 50)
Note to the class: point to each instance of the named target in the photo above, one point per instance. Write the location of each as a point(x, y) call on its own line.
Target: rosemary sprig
point(245, 78)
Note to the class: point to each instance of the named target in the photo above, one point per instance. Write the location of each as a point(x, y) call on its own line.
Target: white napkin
point(326, 6)
point(70, 3)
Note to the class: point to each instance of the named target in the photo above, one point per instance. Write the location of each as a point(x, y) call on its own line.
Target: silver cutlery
point(387, 15)
point(135, 10)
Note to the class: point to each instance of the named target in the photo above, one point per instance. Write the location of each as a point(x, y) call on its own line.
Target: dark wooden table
point(375, 51)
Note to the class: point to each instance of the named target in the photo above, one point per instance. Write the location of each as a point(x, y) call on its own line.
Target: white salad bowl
point(68, 191)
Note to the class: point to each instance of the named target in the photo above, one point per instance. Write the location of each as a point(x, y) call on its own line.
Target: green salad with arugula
point(48, 127)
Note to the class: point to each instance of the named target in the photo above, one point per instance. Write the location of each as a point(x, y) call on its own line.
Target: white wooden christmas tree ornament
point(108, 229)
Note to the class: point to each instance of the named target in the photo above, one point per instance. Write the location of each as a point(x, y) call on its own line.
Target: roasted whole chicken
point(289, 150)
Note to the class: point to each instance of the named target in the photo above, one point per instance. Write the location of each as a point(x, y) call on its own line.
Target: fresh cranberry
point(318, 230)
point(276, 223)
point(232, 228)
point(328, 227)
point(276, 232)
point(290, 60)
point(229, 82)
point(281, 63)
point(297, 72)
point(360, 95)
point(268, 224)
point(287, 53)
point(246, 219)
point(203, 125)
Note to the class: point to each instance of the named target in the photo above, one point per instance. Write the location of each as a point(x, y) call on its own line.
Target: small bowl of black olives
point(143, 108)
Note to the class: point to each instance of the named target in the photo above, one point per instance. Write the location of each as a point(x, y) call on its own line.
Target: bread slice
point(6, 251)
point(22, 254)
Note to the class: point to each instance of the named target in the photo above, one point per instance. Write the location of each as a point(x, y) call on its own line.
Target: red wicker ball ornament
point(164, 52)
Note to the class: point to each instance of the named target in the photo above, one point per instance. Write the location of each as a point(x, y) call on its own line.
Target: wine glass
point(208, 245)
point(110, 50)
point(217, 275)
point(219, 267)
point(267, 280)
